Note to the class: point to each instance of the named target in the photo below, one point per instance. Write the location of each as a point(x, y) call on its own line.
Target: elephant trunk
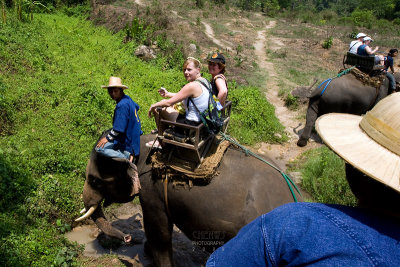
point(92, 199)
point(105, 226)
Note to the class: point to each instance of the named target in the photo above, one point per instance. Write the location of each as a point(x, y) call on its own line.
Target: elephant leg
point(158, 229)
point(311, 117)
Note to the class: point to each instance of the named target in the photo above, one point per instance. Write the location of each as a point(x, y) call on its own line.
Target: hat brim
point(216, 60)
point(341, 132)
point(115, 86)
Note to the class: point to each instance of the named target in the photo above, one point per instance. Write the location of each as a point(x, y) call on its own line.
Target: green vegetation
point(327, 43)
point(252, 111)
point(53, 109)
point(323, 176)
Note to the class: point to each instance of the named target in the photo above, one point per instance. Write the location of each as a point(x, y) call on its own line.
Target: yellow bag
point(180, 108)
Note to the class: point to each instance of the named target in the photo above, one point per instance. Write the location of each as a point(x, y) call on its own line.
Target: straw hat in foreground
point(115, 82)
point(371, 143)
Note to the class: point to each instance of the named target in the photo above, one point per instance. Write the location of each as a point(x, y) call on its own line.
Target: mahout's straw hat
point(115, 82)
point(370, 143)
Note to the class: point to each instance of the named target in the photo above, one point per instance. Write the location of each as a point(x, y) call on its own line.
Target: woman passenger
point(216, 67)
point(365, 50)
point(196, 89)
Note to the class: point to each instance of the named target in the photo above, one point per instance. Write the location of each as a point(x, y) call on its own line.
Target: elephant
point(210, 215)
point(345, 94)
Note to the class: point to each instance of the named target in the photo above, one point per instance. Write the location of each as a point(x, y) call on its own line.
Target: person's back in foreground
point(334, 235)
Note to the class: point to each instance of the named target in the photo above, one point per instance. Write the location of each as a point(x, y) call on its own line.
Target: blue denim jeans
point(392, 82)
point(304, 234)
point(109, 151)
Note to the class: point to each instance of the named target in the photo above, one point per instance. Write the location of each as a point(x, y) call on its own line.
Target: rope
point(344, 72)
point(328, 81)
point(289, 181)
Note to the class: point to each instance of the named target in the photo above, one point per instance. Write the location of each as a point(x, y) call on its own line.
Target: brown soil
point(244, 38)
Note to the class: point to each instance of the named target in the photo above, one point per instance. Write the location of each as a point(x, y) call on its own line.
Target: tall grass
point(323, 176)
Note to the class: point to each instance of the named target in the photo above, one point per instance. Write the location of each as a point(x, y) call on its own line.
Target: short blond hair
point(195, 62)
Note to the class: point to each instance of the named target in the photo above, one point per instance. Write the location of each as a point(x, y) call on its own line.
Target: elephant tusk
point(87, 214)
point(82, 211)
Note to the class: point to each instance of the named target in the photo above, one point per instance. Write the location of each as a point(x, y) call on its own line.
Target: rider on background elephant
point(345, 94)
point(389, 69)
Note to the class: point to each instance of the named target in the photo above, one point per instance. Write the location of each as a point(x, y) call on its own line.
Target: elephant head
point(109, 180)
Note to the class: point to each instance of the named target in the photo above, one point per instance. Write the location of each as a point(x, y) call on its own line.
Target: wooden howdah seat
point(364, 63)
point(199, 139)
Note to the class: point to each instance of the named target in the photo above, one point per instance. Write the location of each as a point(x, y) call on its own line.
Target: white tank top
point(201, 103)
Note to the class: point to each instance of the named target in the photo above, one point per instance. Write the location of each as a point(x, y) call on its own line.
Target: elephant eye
point(94, 181)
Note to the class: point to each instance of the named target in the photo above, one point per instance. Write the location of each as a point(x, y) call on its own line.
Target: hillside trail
point(286, 152)
point(282, 154)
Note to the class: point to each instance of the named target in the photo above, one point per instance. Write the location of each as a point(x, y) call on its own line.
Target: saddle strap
point(165, 183)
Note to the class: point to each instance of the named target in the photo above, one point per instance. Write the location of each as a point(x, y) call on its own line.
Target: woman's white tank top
point(201, 103)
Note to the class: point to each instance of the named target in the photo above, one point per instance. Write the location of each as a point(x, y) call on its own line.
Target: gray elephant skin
point(345, 94)
point(209, 215)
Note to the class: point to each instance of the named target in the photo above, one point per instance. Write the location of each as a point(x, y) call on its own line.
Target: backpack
point(210, 117)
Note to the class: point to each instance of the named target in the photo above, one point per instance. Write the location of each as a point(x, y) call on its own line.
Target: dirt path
point(287, 152)
point(227, 46)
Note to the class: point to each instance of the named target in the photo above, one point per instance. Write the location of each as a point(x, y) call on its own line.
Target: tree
point(381, 9)
point(284, 3)
point(270, 7)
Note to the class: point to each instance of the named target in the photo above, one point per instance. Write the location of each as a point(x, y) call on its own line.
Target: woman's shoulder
point(202, 82)
point(195, 86)
point(222, 76)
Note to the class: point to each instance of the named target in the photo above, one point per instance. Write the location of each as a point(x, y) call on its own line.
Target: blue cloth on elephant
point(303, 234)
point(127, 123)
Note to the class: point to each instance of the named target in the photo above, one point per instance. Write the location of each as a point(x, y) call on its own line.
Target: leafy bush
point(308, 16)
point(328, 14)
point(291, 102)
point(396, 21)
point(363, 18)
point(139, 31)
point(270, 7)
point(323, 176)
point(327, 43)
point(253, 118)
point(82, 10)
